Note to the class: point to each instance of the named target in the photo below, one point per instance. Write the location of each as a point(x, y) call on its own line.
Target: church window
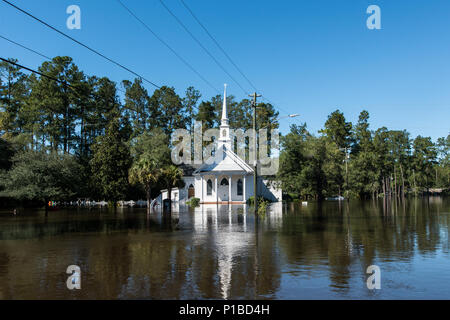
point(209, 187)
point(240, 188)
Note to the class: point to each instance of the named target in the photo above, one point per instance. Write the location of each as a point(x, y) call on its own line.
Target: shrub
point(263, 203)
point(251, 200)
point(193, 202)
point(262, 207)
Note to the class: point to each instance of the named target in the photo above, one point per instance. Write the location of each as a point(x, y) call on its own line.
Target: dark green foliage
point(423, 161)
point(193, 202)
point(6, 153)
point(101, 136)
point(338, 130)
point(137, 105)
point(110, 163)
point(151, 154)
point(206, 114)
point(42, 176)
point(166, 110)
point(251, 200)
point(383, 162)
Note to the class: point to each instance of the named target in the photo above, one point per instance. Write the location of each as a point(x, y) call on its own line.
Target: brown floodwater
point(293, 252)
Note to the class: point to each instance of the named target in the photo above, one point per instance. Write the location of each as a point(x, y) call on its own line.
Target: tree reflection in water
point(294, 251)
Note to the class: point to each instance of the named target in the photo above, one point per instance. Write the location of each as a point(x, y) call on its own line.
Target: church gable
point(225, 161)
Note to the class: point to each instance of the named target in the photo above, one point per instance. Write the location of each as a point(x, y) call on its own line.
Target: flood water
point(293, 252)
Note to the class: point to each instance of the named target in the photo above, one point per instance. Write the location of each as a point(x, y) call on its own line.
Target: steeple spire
point(224, 107)
point(224, 139)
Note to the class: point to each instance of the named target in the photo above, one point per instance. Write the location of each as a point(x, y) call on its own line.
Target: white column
point(229, 191)
point(217, 191)
point(203, 193)
point(243, 193)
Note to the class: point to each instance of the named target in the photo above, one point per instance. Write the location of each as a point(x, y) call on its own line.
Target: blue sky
point(308, 57)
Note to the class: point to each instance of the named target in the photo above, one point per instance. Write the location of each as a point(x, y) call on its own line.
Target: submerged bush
point(263, 204)
point(251, 200)
point(193, 202)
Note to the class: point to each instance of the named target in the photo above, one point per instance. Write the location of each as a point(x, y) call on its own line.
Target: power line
point(37, 72)
point(218, 45)
point(75, 89)
point(81, 44)
point(202, 46)
point(225, 53)
point(51, 78)
point(40, 54)
point(169, 47)
point(22, 46)
point(43, 75)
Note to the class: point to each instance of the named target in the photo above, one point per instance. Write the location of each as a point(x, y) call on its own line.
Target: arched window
point(239, 188)
point(209, 187)
point(224, 182)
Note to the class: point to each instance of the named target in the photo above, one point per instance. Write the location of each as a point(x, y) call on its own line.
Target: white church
point(225, 178)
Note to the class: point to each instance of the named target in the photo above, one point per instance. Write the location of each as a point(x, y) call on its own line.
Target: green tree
point(338, 129)
point(146, 172)
point(293, 159)
point(42, 176)
point(399, 146)
point(171, 176)
point(11, 95)
point(167, 110)
point(110, 162)
point(383, 160)
point(306, 170)
point(6, 154)
point(362, 171)
point(137, 101)
point(150, 153)
point(14, 92)
point(423, 159)
point(314, 175)
point(59, 103)
point(100, 98)
point(443, 168)
point(206, 115)
point(190, 102)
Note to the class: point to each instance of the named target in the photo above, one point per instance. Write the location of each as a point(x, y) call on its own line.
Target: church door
point(223, 190)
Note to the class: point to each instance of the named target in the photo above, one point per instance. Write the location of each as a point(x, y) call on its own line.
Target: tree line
point(352, 160)
point(89, 137)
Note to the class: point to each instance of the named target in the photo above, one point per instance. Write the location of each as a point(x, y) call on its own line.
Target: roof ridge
point(234, 157)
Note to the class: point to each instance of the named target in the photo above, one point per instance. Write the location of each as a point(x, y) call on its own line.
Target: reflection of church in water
point(237, 249)
point(224, 177)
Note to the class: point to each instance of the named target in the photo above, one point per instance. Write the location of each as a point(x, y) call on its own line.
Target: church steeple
point(224, 107)
point(224, 139)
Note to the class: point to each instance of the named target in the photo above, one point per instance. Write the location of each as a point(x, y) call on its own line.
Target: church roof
point(224, 161)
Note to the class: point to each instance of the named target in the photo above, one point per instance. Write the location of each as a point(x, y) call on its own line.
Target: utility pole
point(347, 156)
point(255, 144)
